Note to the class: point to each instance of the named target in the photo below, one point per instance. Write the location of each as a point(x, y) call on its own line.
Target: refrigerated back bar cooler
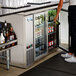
point(37, 35)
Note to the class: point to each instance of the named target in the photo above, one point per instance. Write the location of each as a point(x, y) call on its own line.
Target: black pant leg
point(70, 33)
point(72, 28)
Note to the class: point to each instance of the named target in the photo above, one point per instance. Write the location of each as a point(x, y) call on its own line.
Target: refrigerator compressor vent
point(30, 56)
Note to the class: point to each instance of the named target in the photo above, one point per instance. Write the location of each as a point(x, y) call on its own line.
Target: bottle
point(2, 38)
point(40, 19)
point(49, 30)
point(5, 25)
point(52, 42)
point(12, 36)
point(49, 13)
point(57, 23)
point(37, 22)
point(7, 38)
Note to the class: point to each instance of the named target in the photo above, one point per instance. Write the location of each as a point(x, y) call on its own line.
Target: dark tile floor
point(55, 66)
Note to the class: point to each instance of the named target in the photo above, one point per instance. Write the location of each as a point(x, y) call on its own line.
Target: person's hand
point(55, 19)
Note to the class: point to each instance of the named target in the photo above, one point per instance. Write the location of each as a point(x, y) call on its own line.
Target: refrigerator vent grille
point(30, 57)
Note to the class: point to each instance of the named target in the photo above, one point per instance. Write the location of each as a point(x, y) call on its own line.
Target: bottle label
point(2, 41)
point(51, 42)
point(2, 38)
point(12, 37)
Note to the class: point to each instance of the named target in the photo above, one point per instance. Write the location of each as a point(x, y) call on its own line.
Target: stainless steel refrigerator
point(33, 36)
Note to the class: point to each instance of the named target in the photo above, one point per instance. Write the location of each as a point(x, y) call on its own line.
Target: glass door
point(40, 38)
point(63, 30)
point(52, 38)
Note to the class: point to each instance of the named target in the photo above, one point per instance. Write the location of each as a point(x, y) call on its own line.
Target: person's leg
point(73, 48)
point(73, 35)
point(70, 34)
point(72, 38)
point(69, 54)
point(72, 28)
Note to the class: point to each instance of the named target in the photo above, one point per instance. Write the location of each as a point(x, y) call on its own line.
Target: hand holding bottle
point(55, 19)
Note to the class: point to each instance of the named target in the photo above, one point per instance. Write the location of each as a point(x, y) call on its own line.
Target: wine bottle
point(12, 36)
point(7, 38)
point(5, 26)
point(2, 39)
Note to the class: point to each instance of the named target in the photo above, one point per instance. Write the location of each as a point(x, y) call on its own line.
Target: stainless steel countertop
point(28, 9)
